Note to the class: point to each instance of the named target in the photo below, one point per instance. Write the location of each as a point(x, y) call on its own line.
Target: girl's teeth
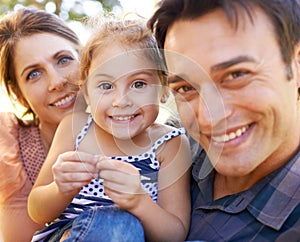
point(123, 118)
point(230, 136)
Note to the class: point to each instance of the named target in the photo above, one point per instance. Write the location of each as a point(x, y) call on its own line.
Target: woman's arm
point(14, 185)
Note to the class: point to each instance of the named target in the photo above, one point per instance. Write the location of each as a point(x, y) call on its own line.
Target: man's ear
point(297, 67)
point(297, 53)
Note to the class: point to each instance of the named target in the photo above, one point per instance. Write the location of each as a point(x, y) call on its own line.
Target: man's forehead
point(181, 67)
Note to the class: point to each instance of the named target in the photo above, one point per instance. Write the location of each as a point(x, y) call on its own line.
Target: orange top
point(21, 157)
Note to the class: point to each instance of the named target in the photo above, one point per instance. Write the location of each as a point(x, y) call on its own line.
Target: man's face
point(232, 91)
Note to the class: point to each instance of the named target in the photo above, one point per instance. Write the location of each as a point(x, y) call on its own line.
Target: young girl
point(123, 160)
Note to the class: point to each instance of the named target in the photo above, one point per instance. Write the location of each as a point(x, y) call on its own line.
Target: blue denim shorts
point(106, 224)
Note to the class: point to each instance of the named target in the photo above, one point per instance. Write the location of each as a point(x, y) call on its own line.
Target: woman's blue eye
point(33, 75)
point(65, 60)
point(105, 86)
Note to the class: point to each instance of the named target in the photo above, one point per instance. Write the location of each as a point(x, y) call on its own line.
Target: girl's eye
point(139, 84)
point(33, 75)
point(105, 86)
point(65, 60)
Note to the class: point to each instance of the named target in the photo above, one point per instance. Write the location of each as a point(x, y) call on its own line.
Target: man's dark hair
point(283, 14)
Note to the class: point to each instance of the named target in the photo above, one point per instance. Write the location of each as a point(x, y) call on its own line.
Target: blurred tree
point(66, 9)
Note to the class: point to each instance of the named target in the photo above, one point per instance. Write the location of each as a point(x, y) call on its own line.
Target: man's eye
point(236, 74)
point(184, 89)
point(105, 86)
point(33, 75)
point(139, 84)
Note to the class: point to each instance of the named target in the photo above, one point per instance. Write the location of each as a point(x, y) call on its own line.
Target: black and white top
point(93, 194)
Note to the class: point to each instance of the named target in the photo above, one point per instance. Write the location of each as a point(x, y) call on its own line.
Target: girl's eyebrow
point(143, 72)
point(132, 74)
point(103, 75)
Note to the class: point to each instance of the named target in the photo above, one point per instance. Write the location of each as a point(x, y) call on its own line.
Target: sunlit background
point(73, 12)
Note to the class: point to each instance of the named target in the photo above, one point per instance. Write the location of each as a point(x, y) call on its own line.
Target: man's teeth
point(230, 136)
point(122, 118)
point(64, 101)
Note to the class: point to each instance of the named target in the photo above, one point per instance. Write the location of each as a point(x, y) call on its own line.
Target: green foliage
point(67, 9)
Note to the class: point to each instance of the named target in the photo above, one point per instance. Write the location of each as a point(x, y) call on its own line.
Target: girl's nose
point(121, 99)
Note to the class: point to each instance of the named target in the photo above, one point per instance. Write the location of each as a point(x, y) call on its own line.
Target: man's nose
point(211, 108)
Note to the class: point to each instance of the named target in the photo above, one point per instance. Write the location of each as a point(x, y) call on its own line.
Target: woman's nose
point(56, 80)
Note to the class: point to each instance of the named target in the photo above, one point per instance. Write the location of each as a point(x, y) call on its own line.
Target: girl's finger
point(74, 166)
point(79, 156)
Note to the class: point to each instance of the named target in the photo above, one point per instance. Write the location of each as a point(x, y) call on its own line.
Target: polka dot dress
point(147, 164)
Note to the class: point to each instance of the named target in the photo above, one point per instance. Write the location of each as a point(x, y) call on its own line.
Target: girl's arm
point(62, 175)
point(169, 219)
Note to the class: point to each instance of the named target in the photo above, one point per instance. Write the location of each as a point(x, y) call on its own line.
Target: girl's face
point(123, 90)
point(44, 63)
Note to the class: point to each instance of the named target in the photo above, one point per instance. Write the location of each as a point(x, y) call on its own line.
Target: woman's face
point(45, 64)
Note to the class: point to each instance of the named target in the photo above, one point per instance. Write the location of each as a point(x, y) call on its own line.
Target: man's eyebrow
point(174, 79)
point(226, 64)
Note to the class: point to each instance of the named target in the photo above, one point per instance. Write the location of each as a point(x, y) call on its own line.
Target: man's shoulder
point(280, 197)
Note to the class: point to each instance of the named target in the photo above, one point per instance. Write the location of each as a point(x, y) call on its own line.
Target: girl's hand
point(72, 170)
point(121, 182)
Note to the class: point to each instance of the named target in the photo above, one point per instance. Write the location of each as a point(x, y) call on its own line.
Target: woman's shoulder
point(9, 124)
point(13, 176)
point(8, 119)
